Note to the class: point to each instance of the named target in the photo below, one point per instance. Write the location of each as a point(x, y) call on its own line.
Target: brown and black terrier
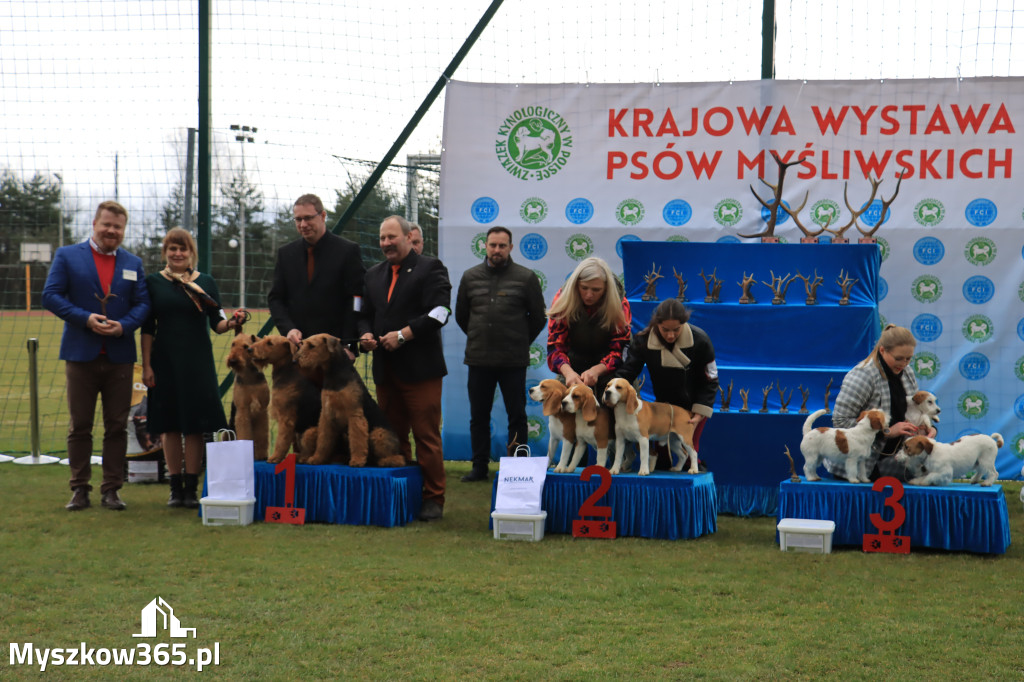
point(346, 406)
point(250, 396)
point(294, 399)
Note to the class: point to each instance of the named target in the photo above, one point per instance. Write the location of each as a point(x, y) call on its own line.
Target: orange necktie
point(309, 264)
point(394, 278)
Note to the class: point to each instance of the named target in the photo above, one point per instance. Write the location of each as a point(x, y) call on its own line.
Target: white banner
point(573, 170)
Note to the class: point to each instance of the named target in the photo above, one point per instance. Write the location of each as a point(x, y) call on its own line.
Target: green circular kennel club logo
point(579, 246)
point(533, 210)
point(728, 212)
point(926, 288)
point(543, 279)
point(825, 212)
point(977, 328)
point(533, 143)
point(536, 429)
point(479, 245)
point(1018, 445)
point(929, 212)
point(537, 355)
point(926, 365)
point(629, 212)
point(972, 404)
point(980, 251)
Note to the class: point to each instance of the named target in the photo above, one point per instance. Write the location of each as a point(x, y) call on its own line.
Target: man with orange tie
point(318, 279)
point(406, 301)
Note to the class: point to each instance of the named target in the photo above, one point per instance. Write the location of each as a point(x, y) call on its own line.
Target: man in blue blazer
point(99, 290)
point(406, 301)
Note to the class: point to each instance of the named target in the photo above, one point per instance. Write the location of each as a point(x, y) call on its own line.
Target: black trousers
point(481, 385)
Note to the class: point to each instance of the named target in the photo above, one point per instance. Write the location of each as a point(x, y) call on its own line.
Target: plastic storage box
point(806, 535)
point(518, 526)
point(227, 512)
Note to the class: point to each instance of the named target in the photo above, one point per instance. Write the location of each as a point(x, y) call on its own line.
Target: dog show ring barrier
point(666, 505)
point(958, 517)
point(332, 493)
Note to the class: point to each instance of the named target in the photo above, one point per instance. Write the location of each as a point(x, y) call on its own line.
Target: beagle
point(593, 425)
point(561, 424)
point(642, 422)
point(851, 446)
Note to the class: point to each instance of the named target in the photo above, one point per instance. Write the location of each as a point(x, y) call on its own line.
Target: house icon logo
point(158, 614)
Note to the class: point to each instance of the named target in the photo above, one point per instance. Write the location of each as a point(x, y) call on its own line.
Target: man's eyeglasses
point(299, 219)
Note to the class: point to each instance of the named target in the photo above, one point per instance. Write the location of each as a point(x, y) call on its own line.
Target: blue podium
point(665, 505)
point(958, 517)
point(334, 493)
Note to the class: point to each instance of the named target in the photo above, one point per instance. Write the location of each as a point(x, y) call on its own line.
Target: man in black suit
point(318, 279)
point(406, 301)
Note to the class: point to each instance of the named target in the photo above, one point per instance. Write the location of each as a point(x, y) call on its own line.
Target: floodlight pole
point(243, 137)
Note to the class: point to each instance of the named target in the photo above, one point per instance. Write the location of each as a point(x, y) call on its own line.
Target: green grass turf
point(446, 601)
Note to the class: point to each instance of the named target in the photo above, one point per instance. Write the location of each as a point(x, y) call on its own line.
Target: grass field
point(446, 601)
point(16, 328)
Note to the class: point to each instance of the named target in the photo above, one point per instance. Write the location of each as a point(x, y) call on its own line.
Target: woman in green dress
point(177, 363)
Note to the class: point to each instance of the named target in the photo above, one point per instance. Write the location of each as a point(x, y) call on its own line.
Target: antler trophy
point(712, 286)
point(748, 281)
point(744, 394)
point(779, 285)
point(651, 278)
point(805, 392)
point(854, 215)
point(726, 397)
point(765, 391)
point(784, 398)
point(845, 283)
point(681, 296)
point(768, 236)
point(811, 286)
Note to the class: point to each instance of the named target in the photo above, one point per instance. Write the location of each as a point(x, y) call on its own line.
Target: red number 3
point(899, 514)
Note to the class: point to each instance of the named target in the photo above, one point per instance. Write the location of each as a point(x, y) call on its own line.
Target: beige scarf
point(672, 356)
point(186, 281)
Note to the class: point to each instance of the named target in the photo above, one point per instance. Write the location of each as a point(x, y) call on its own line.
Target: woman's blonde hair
point(569, 305)
point(181, 237)
point(892, 337)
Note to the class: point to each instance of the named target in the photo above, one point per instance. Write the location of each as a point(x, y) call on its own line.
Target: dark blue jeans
point(481, 384)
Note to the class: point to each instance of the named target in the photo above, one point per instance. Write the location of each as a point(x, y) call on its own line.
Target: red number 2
point(588, 508)
point(582, 528)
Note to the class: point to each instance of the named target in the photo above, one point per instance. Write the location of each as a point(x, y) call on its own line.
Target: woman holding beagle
point(588, 326)
point(680, 360)
point(883, 380)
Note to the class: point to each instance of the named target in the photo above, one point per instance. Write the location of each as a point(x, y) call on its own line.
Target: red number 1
point(288, 513)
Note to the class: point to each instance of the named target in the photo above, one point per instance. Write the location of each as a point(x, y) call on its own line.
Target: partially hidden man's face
point(416, 238)
point(310, 224)
point(394, 244)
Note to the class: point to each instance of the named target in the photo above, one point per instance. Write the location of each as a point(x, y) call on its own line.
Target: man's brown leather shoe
point(79, 501)
point(431, 511)
point(111, 500)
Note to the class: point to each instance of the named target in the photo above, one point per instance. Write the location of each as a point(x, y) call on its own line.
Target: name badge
point(130, 275)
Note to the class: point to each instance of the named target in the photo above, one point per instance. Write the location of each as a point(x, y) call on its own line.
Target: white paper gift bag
point(230, 473)
point(520, 482)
